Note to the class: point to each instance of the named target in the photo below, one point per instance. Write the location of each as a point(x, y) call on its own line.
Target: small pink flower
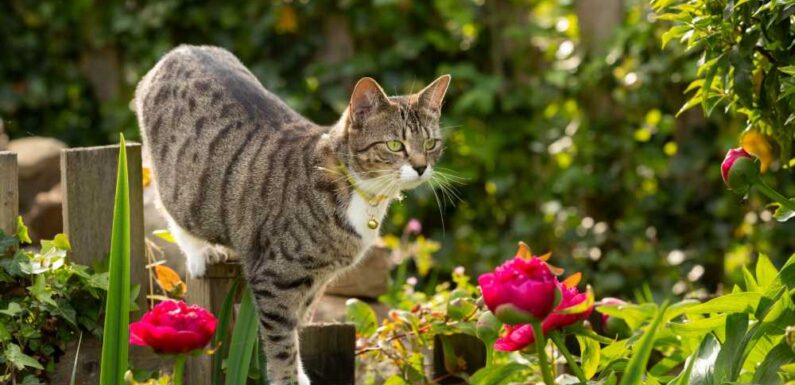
point(174, 328)
point(520, 290)
point(414, 226)
point(610, 301)
point(728, 162)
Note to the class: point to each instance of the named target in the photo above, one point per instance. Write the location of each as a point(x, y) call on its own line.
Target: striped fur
point(237, 169)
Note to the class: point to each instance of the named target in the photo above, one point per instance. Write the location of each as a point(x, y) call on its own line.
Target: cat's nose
point(420, 169)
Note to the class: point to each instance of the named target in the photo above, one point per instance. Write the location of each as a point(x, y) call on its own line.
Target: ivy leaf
point(14, 355)
point(6, 242)
point(40, 291)
point(362, 316)
point(12, 310)
point(22, 231)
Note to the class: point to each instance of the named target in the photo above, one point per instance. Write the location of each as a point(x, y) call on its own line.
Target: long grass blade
point(241, 349)
point(641, 351)
point(117, 316)
point(77, 357)
point(222, 333)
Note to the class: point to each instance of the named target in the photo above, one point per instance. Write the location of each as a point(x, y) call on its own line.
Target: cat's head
point(394, 142)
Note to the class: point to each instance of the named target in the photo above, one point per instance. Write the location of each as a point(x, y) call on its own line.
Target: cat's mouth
point(410, 178)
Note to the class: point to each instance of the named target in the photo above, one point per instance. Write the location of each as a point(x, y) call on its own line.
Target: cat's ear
point(432, 96)
point(367, 97)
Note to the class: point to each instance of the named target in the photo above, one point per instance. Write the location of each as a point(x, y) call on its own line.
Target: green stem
point(179, 368)
point(489, 354)
point(774, 195)
point(561, 344)
point(541, 344)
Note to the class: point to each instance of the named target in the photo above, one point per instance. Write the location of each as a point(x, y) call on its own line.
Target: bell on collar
point(372, 224)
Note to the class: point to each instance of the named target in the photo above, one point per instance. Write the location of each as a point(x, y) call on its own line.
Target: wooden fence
point(88, 181)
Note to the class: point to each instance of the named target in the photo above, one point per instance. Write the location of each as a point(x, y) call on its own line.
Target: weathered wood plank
point(208, 292)
point(9, 192)
point(328, 353)
point(471, 349)
point(88, 178)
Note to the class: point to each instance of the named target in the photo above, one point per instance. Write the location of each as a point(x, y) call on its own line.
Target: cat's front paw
point(197, 266)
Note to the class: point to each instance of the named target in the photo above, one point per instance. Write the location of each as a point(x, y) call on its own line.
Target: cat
point(238, 171)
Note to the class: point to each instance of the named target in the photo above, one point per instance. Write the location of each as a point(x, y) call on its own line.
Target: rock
point(45, 217)
point(39, 160)
point(369, 279)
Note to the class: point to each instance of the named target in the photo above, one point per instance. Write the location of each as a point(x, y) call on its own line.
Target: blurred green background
point(560, 117)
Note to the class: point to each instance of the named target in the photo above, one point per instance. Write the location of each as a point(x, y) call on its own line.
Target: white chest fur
point(359, 213)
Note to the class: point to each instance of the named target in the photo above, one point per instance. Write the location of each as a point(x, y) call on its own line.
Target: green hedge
point(570, 147)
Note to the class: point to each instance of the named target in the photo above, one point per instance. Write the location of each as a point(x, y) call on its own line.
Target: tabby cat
point(239, 171)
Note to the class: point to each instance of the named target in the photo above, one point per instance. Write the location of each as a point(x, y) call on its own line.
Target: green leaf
point(789, 70)
point(22, 231)
point(117, 315)
point(4, 334)
point(241, 348)
point(221, 335)
point(362, 316)
point(750, 281)
point(7, 242)
point(730, 358)
point(164, 235)
point(698, 327)
point(641, 351)
point(634, 315)
point(782, 214)
point(767, 372)
point(694, 101)
point(729, 303)
point(766, 272)
point(396, 380)
point(41, 292)
point(702, 363)
point(590, 355)
point(674, 33)
point(12, 309)
point(497, 374)
point(20, 360)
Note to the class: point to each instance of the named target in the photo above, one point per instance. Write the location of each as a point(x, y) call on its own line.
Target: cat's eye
point(394, 145)
point(429, 144)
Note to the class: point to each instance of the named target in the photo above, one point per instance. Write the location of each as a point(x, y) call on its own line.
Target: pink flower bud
point(738, 170)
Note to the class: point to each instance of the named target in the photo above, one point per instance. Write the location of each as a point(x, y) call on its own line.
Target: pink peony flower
point(567, 313)
point(520, 290)
point(728, 162)
point(174, 327)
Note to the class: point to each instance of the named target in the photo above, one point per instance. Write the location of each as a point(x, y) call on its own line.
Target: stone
point(45, 217)
point(39, 160)
point(368, 279)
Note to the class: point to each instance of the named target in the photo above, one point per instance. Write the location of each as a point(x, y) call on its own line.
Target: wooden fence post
point(9, 192)
point(471, 349)
point(328, 353)
point(88, 177)
point(208, 292)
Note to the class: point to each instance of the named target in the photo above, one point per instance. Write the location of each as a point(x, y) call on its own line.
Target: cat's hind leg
point(197, 251)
